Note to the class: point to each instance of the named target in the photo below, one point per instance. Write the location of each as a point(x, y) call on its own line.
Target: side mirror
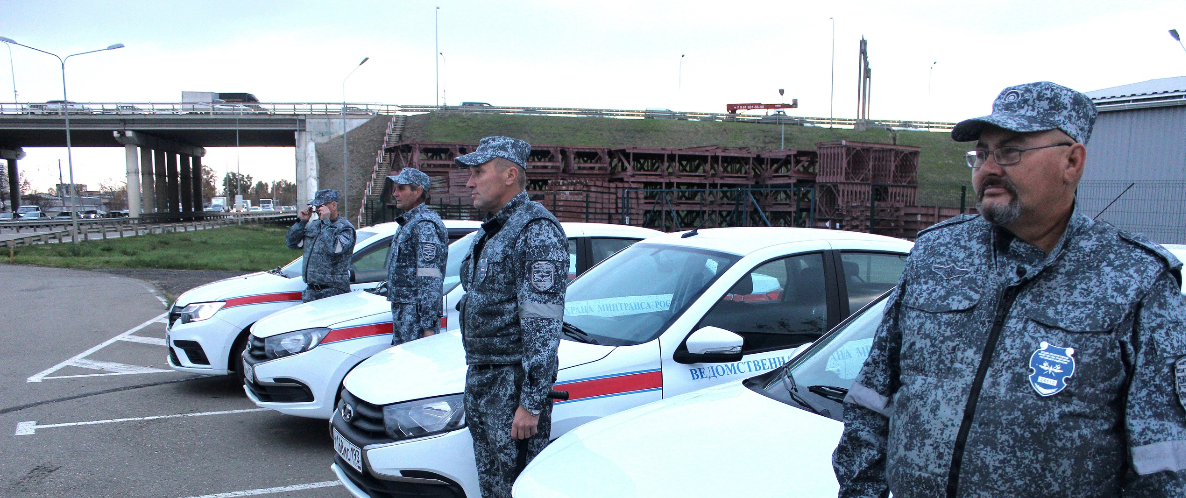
point(710, 345)
point(353, 276)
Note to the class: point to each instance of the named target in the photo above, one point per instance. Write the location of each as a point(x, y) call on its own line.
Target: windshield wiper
point(277, 271)
point(577, 334)
point(833, 393)
point(788, 381)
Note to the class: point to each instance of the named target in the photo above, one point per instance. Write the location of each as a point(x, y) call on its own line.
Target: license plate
point(348, 451)
point(248, 372)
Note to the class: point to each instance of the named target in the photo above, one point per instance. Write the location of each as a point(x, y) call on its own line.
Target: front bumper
point(304, 384)
point(201, 347)
point(435, 466)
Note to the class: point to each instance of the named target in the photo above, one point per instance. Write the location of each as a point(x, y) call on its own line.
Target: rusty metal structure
point(846, 185)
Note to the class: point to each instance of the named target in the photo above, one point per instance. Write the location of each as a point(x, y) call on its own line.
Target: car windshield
point(820, 377)
point(634, 295)
point(293, 269)
point(457, 252)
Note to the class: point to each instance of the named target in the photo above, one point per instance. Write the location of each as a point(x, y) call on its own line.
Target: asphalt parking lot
point(89, 407)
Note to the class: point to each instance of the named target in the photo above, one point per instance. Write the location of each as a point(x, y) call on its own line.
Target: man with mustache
point(1027, 351)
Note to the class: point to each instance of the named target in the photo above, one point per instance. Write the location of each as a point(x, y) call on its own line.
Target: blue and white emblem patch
point(481, 270)
point(1051, 366)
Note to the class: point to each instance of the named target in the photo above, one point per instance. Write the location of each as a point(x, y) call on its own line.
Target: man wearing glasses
point(1027, 351)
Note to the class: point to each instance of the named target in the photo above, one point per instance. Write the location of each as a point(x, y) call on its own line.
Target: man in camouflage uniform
point(1027, 351)
point(329, 246)
point(515, 276)
point(416, 262)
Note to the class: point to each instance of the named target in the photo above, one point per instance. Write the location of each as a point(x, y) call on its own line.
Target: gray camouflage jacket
point(515, 276)
point(416, 268)
point(328, 247)
point(1000, 370)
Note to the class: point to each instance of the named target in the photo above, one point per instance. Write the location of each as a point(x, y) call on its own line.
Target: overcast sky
point(607, 54)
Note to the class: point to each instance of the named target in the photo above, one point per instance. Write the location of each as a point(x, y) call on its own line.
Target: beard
point(998, 214)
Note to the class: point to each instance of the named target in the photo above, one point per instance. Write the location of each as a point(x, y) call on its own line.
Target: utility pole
point(436, 63)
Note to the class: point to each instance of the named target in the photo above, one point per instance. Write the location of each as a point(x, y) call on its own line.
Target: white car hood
point(245, 285)
point(722, 441)
point(435, 366)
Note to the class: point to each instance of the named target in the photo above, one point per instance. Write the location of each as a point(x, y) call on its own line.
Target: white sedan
point(770, 435)
point(670, 315)
point(208, 325)
point(297, 358)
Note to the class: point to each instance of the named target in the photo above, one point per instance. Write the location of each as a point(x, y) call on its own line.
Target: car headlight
point(197, 312)
point(424, 417)
point(290, 343)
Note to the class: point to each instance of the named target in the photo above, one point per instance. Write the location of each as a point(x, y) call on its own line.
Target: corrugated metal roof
point(1164, 90)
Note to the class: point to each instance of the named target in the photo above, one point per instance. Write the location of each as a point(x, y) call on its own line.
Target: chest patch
point(1050, 367)
point(1180, 380)
point(543, 275)
point(481, 270)
point(428, 252)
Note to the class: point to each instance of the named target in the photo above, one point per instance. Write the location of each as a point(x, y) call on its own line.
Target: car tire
point(235, 361)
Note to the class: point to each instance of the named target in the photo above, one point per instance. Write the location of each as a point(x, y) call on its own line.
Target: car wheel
point(235, 361)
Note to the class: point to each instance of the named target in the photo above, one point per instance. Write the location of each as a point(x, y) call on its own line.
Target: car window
point(457, 252)
point(776, 305)
point(869, 274)
point(632, 297)
point(370, 263)
point(822, 375)
point(605, 247)
point(572, 259)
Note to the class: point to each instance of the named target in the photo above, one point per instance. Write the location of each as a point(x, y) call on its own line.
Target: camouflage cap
point(324, 196)
point(1034, 107)
point(511, 149)
point(412, 176)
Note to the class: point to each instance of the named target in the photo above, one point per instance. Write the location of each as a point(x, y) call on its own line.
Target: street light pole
point(15, 99)
point(66, 115)
point(1173, 33)
point(832, 97)
point(436, 63)
point(680, 84)
point(445, 89)
point(930, 73)
point(345, 150)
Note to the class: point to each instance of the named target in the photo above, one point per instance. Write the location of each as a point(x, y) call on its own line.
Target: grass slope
point(233, 248)
point(941, 165)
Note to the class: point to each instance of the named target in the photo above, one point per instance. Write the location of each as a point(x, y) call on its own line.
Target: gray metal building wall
point(1147, 149)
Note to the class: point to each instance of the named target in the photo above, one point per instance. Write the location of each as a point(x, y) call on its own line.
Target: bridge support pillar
point(14, 177)
point(306, 168)
point(171, 182)
point(187, 189)
point(147, 191)
point(132, 160)
point(160, 188)
point(196, 183)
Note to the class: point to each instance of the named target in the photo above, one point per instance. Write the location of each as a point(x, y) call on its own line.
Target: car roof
point(745, 240)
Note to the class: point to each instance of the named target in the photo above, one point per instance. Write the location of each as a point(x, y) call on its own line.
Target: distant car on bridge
point(125, 109)
point(56, 106)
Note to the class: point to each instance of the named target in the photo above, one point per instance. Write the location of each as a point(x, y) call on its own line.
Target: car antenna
point(1114, 201)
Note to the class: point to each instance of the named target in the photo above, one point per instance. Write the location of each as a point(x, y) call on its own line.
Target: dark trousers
point(491, 398)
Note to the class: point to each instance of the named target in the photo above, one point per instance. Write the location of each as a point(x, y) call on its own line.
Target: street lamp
point(680, 83)
point(782, 143)
point(1173, 33)
point(66, 115)
point(832, 97)
point(436, 41)
point(12, 69)
point(445, 88)
point(345, 150)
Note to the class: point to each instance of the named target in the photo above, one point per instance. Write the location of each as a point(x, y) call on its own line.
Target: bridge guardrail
point(330, 109)
point(59, 231)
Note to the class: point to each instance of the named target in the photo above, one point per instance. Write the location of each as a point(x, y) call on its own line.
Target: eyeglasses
point(1004, 156)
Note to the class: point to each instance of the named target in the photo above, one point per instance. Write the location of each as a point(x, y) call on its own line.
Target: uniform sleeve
point(1155, 418)
point(344, 239)
point(541, 289)
point(859, 459)
point(295, 239)
point(431, 255)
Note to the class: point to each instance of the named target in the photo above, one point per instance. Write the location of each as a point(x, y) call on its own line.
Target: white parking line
point(44, 374)
point(268, 491)
point(29, 428)
point(155, 341)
